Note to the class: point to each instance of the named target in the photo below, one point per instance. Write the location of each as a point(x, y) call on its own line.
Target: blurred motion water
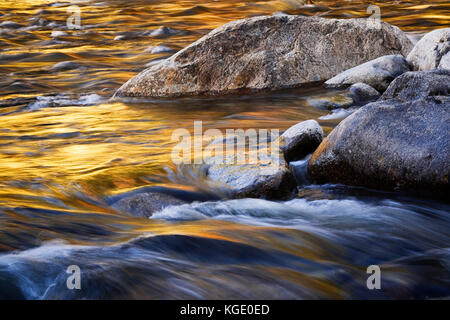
point(66, 150)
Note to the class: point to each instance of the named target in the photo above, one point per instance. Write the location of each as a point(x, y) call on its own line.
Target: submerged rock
point(301, 140)
point(57, 34)
point(419, 84)
point(267, 53)
point(377, 73)
point(432, 51)
point(159, 49)
point(145, 204)
point(341, 100)
point(389, 145)
point(65, 65)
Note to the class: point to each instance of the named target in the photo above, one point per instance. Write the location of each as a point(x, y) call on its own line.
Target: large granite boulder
point(267, 53)
point(389, 145)
point(301, 139)
point(377, 73)
point(419, 84)
point(432, 51)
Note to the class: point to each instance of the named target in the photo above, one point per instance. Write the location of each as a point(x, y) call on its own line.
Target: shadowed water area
point(67, 153)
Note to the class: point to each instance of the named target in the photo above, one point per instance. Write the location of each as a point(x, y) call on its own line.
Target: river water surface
point(67, 152)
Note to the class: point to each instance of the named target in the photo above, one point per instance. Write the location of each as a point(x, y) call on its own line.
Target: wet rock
point(432, 51)
point(389, 145)
point(159, 49)
point(163, 32)
point(301, 140)
point(419, 84)
point(338, 101)
point(338, 113)
point(57, 34)
point(128, 35)
point(10, 25)
point(377, 73)
point(362, 93)
point(270, 179)
point(145, 204)
point(357, 95)
point(267, 53)
point(65, 65)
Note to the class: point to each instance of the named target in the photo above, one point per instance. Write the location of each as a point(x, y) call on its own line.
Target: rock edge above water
point(267, 53)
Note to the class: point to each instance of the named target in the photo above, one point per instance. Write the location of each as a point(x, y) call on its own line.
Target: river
point(67, 151)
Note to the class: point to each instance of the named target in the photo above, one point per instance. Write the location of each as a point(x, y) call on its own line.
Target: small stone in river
point(56, 34)
point(301, 140)
point(339, 101)
point(163, 32)
point(269, 177)
point(65, 65)
point(145, 204)
point(159, 49)
point(362, 93)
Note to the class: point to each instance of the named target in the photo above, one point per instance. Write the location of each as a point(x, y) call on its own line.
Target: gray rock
point(301, 140)
point(338, 101)
point(419, 84)
point(432, 51)
point(270, 179)
point(362, 93)
point(65, 65)
point(356, 96)
point(389, 145)
point(377, 73)
point(267, 53)
point(145, 204)
point(445, 62)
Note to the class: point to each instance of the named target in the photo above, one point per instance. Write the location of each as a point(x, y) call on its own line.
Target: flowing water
point(67, 153)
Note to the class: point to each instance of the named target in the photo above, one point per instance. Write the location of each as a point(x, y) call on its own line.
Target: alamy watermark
point(375, 19)
point(74, 280)
point(74, 20)
point(374, 280)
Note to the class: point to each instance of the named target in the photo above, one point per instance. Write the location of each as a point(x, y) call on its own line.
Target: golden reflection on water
point(57, 162)
point(112, 146)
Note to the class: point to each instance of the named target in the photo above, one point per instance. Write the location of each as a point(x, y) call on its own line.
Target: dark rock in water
point(271, 179)
point(389, 145)
point(301, 140)
point(362, 93)
point(10, 25)
point(267, 53)
point(145, 204)
point(377, 73)
point(432, 51)
point(65, 65)
point(163, 32)
point(159, 49)
point(357, 95)
point(419, 84)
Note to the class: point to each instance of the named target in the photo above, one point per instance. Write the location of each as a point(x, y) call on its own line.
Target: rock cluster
point(397, 140)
